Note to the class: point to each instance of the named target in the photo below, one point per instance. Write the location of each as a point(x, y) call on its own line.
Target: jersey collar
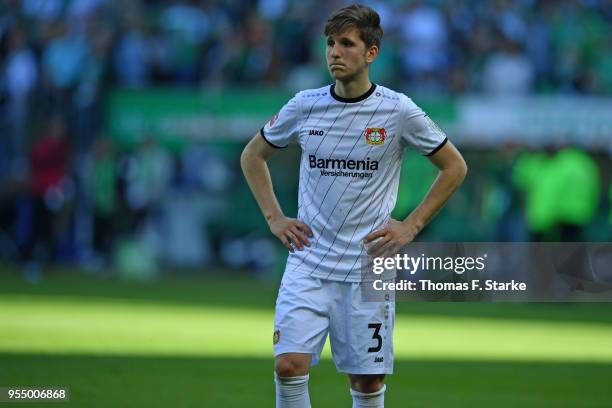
point(351, 100)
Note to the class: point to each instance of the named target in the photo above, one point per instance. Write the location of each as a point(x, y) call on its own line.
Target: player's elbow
point(254, 153)
point(245, 157)
point(458, 171)
point(462, 170)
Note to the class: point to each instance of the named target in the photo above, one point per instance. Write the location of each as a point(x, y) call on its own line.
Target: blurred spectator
point(104, 194)
point(251, 57)
point(508, 72)
point(145, 176)
point(132, 59)
point(87, 100)
point(502, 206)
point(186, 29)
point(601, 71)
point(52, 191)
point(538, 47)
point(578, 198)
point(20, 79)
point(63, 61)
point(561, 191)
point(425, 53)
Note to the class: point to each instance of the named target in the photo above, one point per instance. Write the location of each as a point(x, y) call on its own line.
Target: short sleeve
point(419, 131)
point(283, 128)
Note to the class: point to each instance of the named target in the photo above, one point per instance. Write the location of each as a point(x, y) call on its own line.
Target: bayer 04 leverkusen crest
point(375, 136)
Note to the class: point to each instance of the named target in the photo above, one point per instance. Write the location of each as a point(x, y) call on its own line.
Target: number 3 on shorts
point(376, 336)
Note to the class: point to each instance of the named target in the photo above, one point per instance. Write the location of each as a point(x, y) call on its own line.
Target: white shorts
point(361, 333)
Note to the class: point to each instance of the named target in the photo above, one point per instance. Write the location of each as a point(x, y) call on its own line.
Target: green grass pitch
point(208, 343)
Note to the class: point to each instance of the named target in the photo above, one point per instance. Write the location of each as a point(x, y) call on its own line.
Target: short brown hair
point(363, 18)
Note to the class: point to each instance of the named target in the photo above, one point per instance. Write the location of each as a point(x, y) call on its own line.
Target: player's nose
point(335, 51)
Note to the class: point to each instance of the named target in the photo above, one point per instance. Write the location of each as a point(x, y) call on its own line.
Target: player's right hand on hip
point(291, 232)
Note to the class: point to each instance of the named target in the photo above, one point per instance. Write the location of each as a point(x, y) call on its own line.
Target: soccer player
point(353, 135)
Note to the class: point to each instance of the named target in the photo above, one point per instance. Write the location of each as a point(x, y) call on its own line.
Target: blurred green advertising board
point(178, 116)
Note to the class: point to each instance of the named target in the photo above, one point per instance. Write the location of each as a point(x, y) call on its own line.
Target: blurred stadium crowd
point(438, 45)
point(67, 194)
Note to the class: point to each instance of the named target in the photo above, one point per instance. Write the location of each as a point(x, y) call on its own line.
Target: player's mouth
point(335, 66)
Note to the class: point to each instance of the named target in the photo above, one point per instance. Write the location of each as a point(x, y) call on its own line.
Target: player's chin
point(338, 74)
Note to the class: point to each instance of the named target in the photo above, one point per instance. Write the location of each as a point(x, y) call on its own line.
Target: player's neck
point(352, 89)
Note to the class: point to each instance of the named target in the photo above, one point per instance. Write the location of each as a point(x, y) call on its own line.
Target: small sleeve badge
point(273, 120)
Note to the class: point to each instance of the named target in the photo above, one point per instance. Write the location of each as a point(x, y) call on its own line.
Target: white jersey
point(352, 151)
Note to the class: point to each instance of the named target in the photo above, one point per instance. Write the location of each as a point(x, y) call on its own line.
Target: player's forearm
point(442, 189)
point(257, 174)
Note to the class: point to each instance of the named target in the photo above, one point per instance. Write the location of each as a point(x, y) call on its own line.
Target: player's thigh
point(361, 335)
point(301, 320)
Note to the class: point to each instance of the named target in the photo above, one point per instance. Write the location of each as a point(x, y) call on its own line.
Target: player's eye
point(330, 43)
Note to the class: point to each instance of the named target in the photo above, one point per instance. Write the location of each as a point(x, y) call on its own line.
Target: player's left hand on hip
point(387, 241)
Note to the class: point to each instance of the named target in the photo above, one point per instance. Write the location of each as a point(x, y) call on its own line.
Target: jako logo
point(314, 132)
point(379, 359)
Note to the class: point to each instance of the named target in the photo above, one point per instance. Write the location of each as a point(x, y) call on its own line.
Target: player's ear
point(371, 54)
